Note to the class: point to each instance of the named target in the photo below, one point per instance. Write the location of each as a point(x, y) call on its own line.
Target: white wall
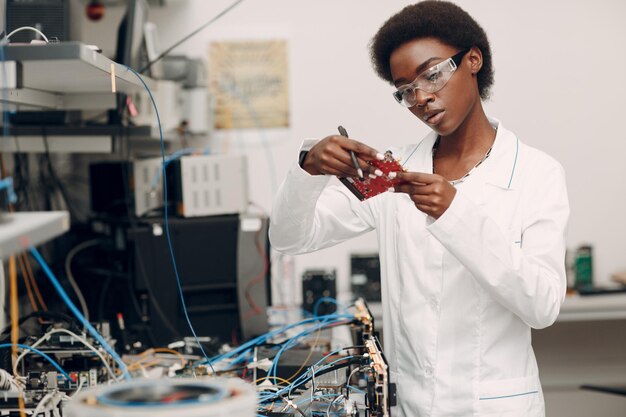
point(559, 85)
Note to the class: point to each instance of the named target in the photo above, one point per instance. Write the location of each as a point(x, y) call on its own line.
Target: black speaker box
point(49, 16)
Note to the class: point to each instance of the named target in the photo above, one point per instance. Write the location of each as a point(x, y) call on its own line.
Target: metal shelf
point(67, 75)
point(593, 307)
point(67, 139)
point(19, 231)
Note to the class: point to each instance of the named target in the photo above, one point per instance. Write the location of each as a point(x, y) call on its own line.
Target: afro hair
point(442, 20)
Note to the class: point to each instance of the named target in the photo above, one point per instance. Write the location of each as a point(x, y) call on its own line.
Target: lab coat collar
point(499, 168)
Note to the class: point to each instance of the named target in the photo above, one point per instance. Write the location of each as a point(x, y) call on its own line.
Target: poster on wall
point(249, 83)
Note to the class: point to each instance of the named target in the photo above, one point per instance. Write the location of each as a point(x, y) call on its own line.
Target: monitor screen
point(130, 41)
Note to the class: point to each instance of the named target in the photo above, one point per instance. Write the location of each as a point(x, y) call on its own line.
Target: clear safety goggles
point(431, 80)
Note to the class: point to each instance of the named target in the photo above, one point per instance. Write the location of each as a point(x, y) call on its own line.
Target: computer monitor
point(130, 36)
point(131, 49)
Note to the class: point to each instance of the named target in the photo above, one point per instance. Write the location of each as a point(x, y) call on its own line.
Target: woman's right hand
point(331, 156)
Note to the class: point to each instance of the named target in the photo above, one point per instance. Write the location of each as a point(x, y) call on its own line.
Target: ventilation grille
point(49, 16)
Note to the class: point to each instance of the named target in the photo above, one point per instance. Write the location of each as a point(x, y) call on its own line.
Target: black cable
point(125, 133)
point(55, 179)
point(349, 362)
point(46, 315)
point(21, 180)
point(168, 50)
point(153, 300)
point(103, 293)
point(45, 187)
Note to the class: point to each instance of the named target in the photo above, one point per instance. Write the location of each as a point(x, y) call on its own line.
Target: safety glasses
point(431, 80)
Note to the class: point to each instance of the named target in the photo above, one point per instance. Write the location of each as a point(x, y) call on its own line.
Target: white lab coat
point(460, 293)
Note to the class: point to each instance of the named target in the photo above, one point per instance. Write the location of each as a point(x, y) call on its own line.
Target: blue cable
point(263, 338)
point(292, 342)
point(167, 226)
point(8, 184)
point(77, 313)
point(353, 388)
point(174, 156)
point(37, 351)
point(327, 300)
point(306, 375)
point(317, 397)
point(255, 342)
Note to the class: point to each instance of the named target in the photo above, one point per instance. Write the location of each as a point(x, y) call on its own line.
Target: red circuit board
point(370, 187)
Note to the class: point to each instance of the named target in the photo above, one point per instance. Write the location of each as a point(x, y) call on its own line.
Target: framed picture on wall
point(249, 83)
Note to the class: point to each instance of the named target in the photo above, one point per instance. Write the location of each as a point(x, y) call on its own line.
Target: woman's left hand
point(431, 193)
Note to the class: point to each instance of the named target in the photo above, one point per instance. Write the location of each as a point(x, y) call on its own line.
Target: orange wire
point(317, 338)
point(42, 303)
point(143, 356)
point(29, 290)
point(15, 329)
point(173, 352)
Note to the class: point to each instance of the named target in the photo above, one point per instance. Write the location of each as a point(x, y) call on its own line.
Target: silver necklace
point(467, 174)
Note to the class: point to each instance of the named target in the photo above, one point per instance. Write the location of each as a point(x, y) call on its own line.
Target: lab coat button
point(434, 303)
point(428, 371)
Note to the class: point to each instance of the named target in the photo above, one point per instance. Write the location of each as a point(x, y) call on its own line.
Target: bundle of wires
point(244, 351)
point(283, 395)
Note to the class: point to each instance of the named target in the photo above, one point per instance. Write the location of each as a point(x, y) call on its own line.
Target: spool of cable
point(215, 397)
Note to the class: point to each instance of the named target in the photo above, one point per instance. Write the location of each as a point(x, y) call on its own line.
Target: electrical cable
point(173, 157)
point(50, 316)
point(29, 290)
point(350, 361)
point(326, 300)
point(331, 367)
point(33, 282)
point(259, 340)
point(284, 381)
point(293, 341)
point(167, 227)
point(70, 276)
point(319, 332)
point(40, 353)
point(8, 381)
point(138, 261)
point(49, 401)
point(153, 300)
point(77, 313)
point(304, 378)
point(55, 181)
point(82, 340)
point(27, 273)
point(205, 25)
point(20, 29)
point(331, 405)
point(15, 331)
point(144, 355)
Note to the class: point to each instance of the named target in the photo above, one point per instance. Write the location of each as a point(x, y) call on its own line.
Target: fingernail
point(380, 156)
point(378, 172)
point(392, 175)
point(372, 176)
point(391, 190)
